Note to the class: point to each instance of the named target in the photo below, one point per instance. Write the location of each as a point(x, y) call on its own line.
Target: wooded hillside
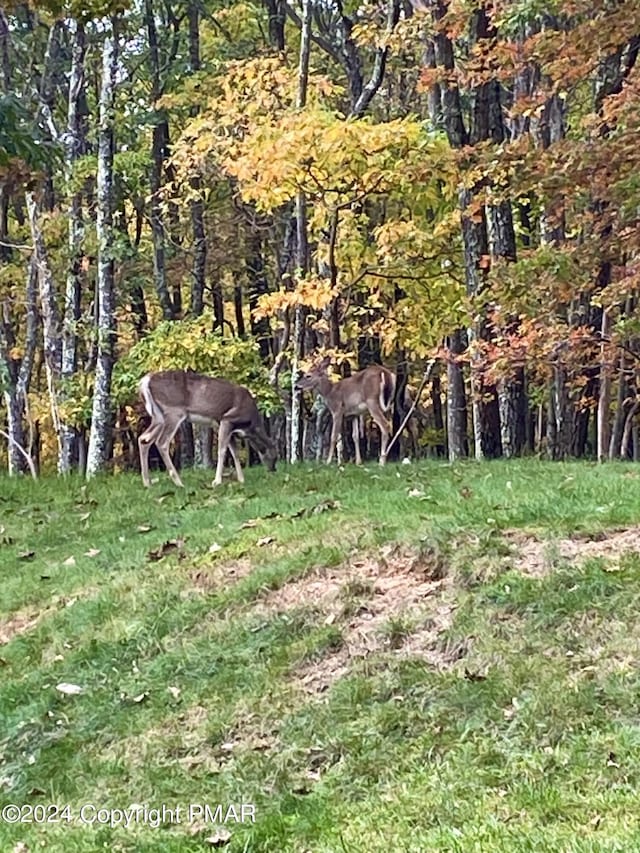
point(239, 188)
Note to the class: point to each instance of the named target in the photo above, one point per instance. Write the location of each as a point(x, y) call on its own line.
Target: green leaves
point(191, 345)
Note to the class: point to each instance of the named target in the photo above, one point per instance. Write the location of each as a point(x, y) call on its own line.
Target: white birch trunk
point(99, 440)
point(73, 146)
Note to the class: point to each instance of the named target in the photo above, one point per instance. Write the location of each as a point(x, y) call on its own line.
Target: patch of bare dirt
point(394, 600)
point(537, 557)
point(18, 624)
point(25, 620)
point(207, 579)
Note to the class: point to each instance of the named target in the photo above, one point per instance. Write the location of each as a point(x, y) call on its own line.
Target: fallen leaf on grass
point(219, 838)
point(70, 561)
point(325, 506)
point(69, 689)
point(474, 676)
point(250, 522)
point(4, 538)
point(92, 552)
point(26, 555)
point(167, 547)
point(266, 540)
point(214, 548)
point(144, 528)
point(175, 691)
point(135, 699)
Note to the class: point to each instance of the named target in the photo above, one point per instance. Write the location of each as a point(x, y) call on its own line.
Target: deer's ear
point(325, 361)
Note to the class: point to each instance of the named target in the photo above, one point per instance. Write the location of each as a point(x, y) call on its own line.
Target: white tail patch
point(145, 393)
point(386, 399)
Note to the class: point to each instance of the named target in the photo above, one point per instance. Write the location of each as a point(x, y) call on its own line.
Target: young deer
point(370, 390)
point(174, 396)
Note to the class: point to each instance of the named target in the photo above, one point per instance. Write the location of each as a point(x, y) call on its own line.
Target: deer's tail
point(387, 389)
point(153, 410)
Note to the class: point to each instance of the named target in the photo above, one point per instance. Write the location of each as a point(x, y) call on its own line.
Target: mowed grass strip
point(525, 738)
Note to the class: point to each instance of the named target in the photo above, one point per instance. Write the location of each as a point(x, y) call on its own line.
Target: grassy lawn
point(418, 658)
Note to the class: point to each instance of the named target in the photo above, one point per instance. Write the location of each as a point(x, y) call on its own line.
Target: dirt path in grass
point(25, 620)
point(538, 557)
point(395, 601)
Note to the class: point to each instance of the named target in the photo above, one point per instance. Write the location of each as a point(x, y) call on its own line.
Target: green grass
point(518, 731)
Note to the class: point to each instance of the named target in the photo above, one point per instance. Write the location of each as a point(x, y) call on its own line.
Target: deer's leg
point(145, 441)
point(380, 419)
point(336, 432)
point(355, 432)
point(233, 450)
point(224, 441)
point(163, 441)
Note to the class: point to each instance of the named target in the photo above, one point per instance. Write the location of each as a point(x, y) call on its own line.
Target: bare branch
point(19, 447)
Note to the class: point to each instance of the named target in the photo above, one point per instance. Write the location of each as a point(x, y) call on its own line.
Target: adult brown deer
point(174, 396)
point(370, 390)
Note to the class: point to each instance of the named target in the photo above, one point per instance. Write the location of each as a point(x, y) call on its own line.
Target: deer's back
point(203, 398)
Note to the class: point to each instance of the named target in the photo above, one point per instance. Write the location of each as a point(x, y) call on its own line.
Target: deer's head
point(311, 379)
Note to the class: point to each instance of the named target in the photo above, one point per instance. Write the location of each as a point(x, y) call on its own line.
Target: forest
point(450, 189)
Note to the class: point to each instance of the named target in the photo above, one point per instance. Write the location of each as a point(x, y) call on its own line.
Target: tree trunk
point(12, 400)
point(197, 204)
point(239, 311)
point(512, 402)
point(50, 316)
point(621, 406)
point(456, 400)
point(101, 416)
point(257, 287)
point(295, 451)
point(74, 143)
point(451, 117)
point(399, 404)
point(159, 153)
point(277, 17)
point(604, 398)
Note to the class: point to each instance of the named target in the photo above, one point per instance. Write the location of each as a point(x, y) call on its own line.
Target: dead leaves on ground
point(171, 546)
point(303, 512)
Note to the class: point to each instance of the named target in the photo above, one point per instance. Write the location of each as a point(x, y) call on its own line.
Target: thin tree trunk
point(626, 434)
point(74, 148)
point(257, 287)
point(159, 154)
point(101, 417)
point(295, 451)
point(604, 398)
point(196, 205)
point(618, 421)
point(50, 316)
point(456, 400)
point(277, 16)
point(11, 396)
point(238, 307)
point(450, 112)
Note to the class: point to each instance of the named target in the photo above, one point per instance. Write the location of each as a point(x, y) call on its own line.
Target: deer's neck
point(327, 389)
